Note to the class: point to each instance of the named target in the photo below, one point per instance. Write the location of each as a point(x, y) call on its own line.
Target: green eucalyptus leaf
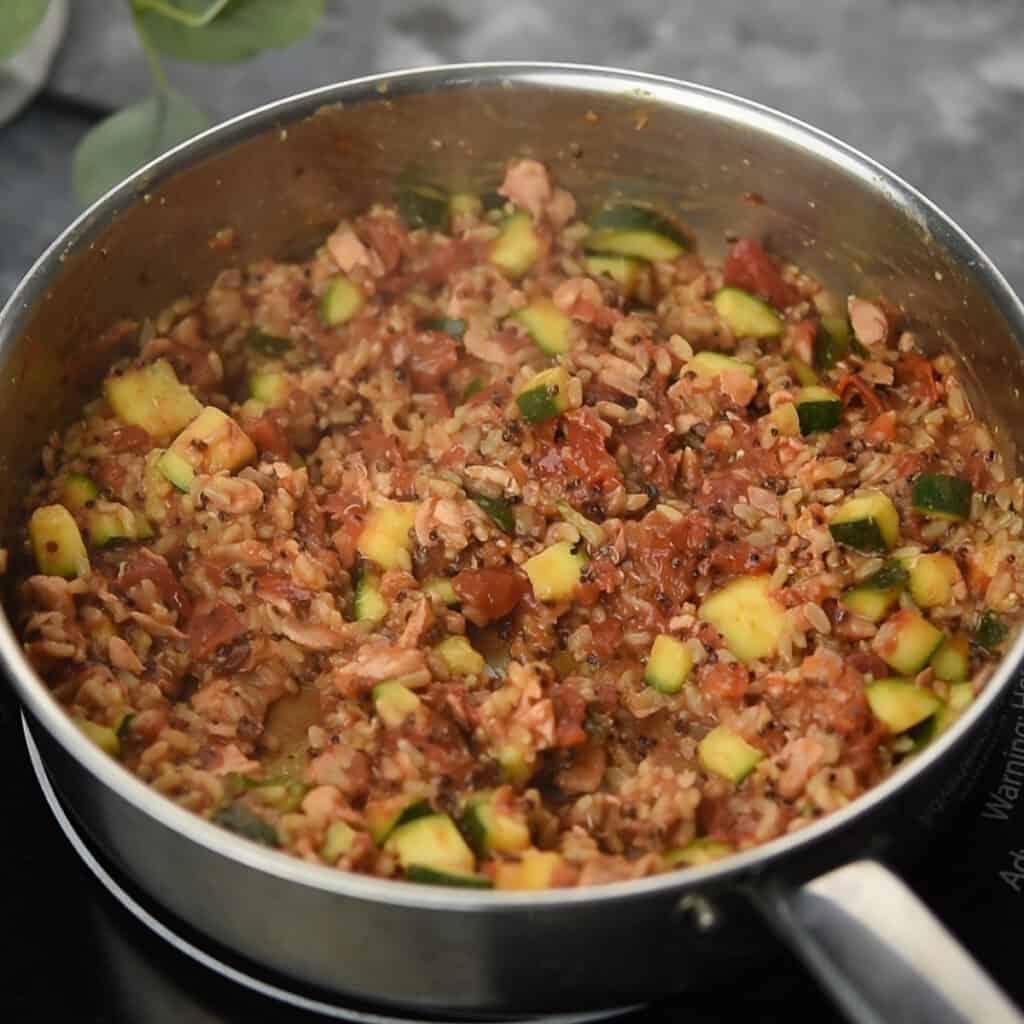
point(125, 141)
point(241, 30)
point(18, 20)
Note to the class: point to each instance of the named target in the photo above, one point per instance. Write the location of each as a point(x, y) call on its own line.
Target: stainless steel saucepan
point(280, 177)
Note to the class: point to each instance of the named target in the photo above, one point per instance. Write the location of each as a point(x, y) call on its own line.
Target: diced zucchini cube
point(441, 588)
point(714, 364)
point(819, 410)
point(57, 543)
point(369, 604)
point(212, 442)
point(625, 271)
point(932, 578)
point(555, 573)
point(517, 246)
point(492, 829)
point(907, 642)
point(748, 617)
point(940, 496)
point(156, 487)
point(960, 697)
point(535, 870)
point(874, 597)
point(952, 661)
point(515, 766)
point(395, 703)
point(872, 605)
point(153, 398)
point(104, 737)
point(384, 816)
point(432, 842)
point(900, 704)
point(699, 852)
point(548, 327)
point(625, 229)
point(341, 301)
point(746, 315)
point(337, 841)
point(726, 753)
point(270, 388)
point(177, 470)
point(868, 523)
point(385, 539)
point(109, 522)
point(546, 395)
point(460, 657)
point(76, 491)
point(668, 665)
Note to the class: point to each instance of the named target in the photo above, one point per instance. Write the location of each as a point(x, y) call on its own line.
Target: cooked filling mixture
point(494, 546)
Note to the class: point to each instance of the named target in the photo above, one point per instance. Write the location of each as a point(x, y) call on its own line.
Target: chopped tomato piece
point(489, 594)
point(854, 386)
point(584, 452)
point(386, 237)
point(148, 566)
point(129, 439)
point(570, 712)
point(916, 373)
point(211, 628)
point(268, 436)
point(432, 355)
point(748, 266)
point(724, 682)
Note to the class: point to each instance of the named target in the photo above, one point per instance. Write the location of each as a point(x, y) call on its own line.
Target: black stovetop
point(70, 952)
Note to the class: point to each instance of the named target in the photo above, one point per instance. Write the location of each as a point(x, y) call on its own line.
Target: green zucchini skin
point(941, 496)
point(990, 632)
point(630, 230)
point(267, 344)
point(746, 314)
point(900, 704)
point(537, 405)
point(431, 876)
point(875, 596)
point(819, 410)
point(424, 206)
point(499, 510)
point(892, 574)
point(342, 300)
point(831, 343)
point(237, 818)
point(868, 523)
point(862, 534)
point(446, 325)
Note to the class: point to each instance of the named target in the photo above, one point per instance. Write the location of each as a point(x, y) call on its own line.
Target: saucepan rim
point(655, 90)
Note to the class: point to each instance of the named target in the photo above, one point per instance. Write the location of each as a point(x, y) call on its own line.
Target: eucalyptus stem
point(153, 62)
point(175, 13)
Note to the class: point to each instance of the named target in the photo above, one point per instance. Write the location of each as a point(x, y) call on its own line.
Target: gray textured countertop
point(932, 88)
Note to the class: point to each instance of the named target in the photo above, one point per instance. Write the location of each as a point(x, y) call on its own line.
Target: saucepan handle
point(880, 952)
